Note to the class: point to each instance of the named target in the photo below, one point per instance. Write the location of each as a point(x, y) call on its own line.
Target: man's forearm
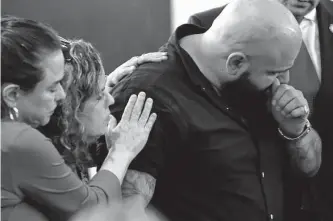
point(138, 185)
point(306, 153)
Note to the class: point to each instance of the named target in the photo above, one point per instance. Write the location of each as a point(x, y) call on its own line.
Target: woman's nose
point(110, 99)
point(61, 95)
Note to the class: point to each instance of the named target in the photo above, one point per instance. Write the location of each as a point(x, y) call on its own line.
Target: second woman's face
point(96, 113)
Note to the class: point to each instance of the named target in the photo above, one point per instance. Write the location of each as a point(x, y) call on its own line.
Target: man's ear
point(10, 94)
point(237, 63)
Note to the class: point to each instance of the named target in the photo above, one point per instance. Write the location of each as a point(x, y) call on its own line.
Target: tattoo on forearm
point(138, 183)
point(306, 153)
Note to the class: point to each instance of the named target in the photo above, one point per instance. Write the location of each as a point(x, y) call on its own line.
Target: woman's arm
point(41, 174)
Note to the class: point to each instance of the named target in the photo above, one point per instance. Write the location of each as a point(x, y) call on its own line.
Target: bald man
point(312, 74)
point(228, 125)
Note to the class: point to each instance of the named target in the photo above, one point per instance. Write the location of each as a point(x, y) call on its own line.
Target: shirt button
point(271, 216)
point(263, 175)
point(203, 89)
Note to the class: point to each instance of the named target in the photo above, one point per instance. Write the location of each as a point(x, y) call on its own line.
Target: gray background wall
point(119, 29)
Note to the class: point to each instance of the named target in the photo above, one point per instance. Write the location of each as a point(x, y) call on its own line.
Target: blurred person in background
point(329, 5)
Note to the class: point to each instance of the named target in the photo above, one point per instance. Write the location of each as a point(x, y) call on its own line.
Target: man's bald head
point(243, 23)
point(258, 38)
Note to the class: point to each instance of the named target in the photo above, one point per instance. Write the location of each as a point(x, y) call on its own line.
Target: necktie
point(310, 38)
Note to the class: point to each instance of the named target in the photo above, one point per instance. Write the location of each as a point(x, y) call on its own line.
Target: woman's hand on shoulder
point(129, 66)
point(132, 132)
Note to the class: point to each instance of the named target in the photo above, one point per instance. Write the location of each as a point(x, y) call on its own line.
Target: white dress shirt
point(309, 27)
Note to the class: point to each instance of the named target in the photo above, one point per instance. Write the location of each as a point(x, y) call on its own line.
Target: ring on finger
point(306, 109)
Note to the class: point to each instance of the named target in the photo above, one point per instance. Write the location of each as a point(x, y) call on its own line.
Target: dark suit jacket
point(322, 118)
point(328, 5)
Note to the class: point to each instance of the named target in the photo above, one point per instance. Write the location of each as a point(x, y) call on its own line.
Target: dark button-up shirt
point(210, 162)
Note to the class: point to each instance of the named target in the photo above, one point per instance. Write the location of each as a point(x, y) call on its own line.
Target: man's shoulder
point(153, 75)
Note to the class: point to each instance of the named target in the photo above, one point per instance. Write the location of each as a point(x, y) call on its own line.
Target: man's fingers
point(300, 112)
point(279, 92)
point(275, 85)
point(287, 97)
point(290, 107)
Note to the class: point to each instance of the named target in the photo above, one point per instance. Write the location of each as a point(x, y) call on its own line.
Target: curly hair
point(83, 69)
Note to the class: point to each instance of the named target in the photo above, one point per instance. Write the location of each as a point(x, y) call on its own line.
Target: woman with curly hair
point(36, 184)
point(66, 129)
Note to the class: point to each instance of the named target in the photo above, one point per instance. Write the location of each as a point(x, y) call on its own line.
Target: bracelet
point(306, 130)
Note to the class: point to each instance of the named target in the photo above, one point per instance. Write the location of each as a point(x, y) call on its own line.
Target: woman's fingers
point(131, 62)
point(129, 66)
point(146, 112)
point(151, 121)
point(152, 57)
point(123, 72)
point(137, 109)
point(301, 112)
point(111, 125)
point(114, 77)
point(129, 108)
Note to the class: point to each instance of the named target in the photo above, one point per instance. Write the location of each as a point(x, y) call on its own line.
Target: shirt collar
point(312, 15)
point(191, 68)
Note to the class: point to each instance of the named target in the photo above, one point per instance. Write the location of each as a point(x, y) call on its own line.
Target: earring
point(15, 115)
point(16, 112)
